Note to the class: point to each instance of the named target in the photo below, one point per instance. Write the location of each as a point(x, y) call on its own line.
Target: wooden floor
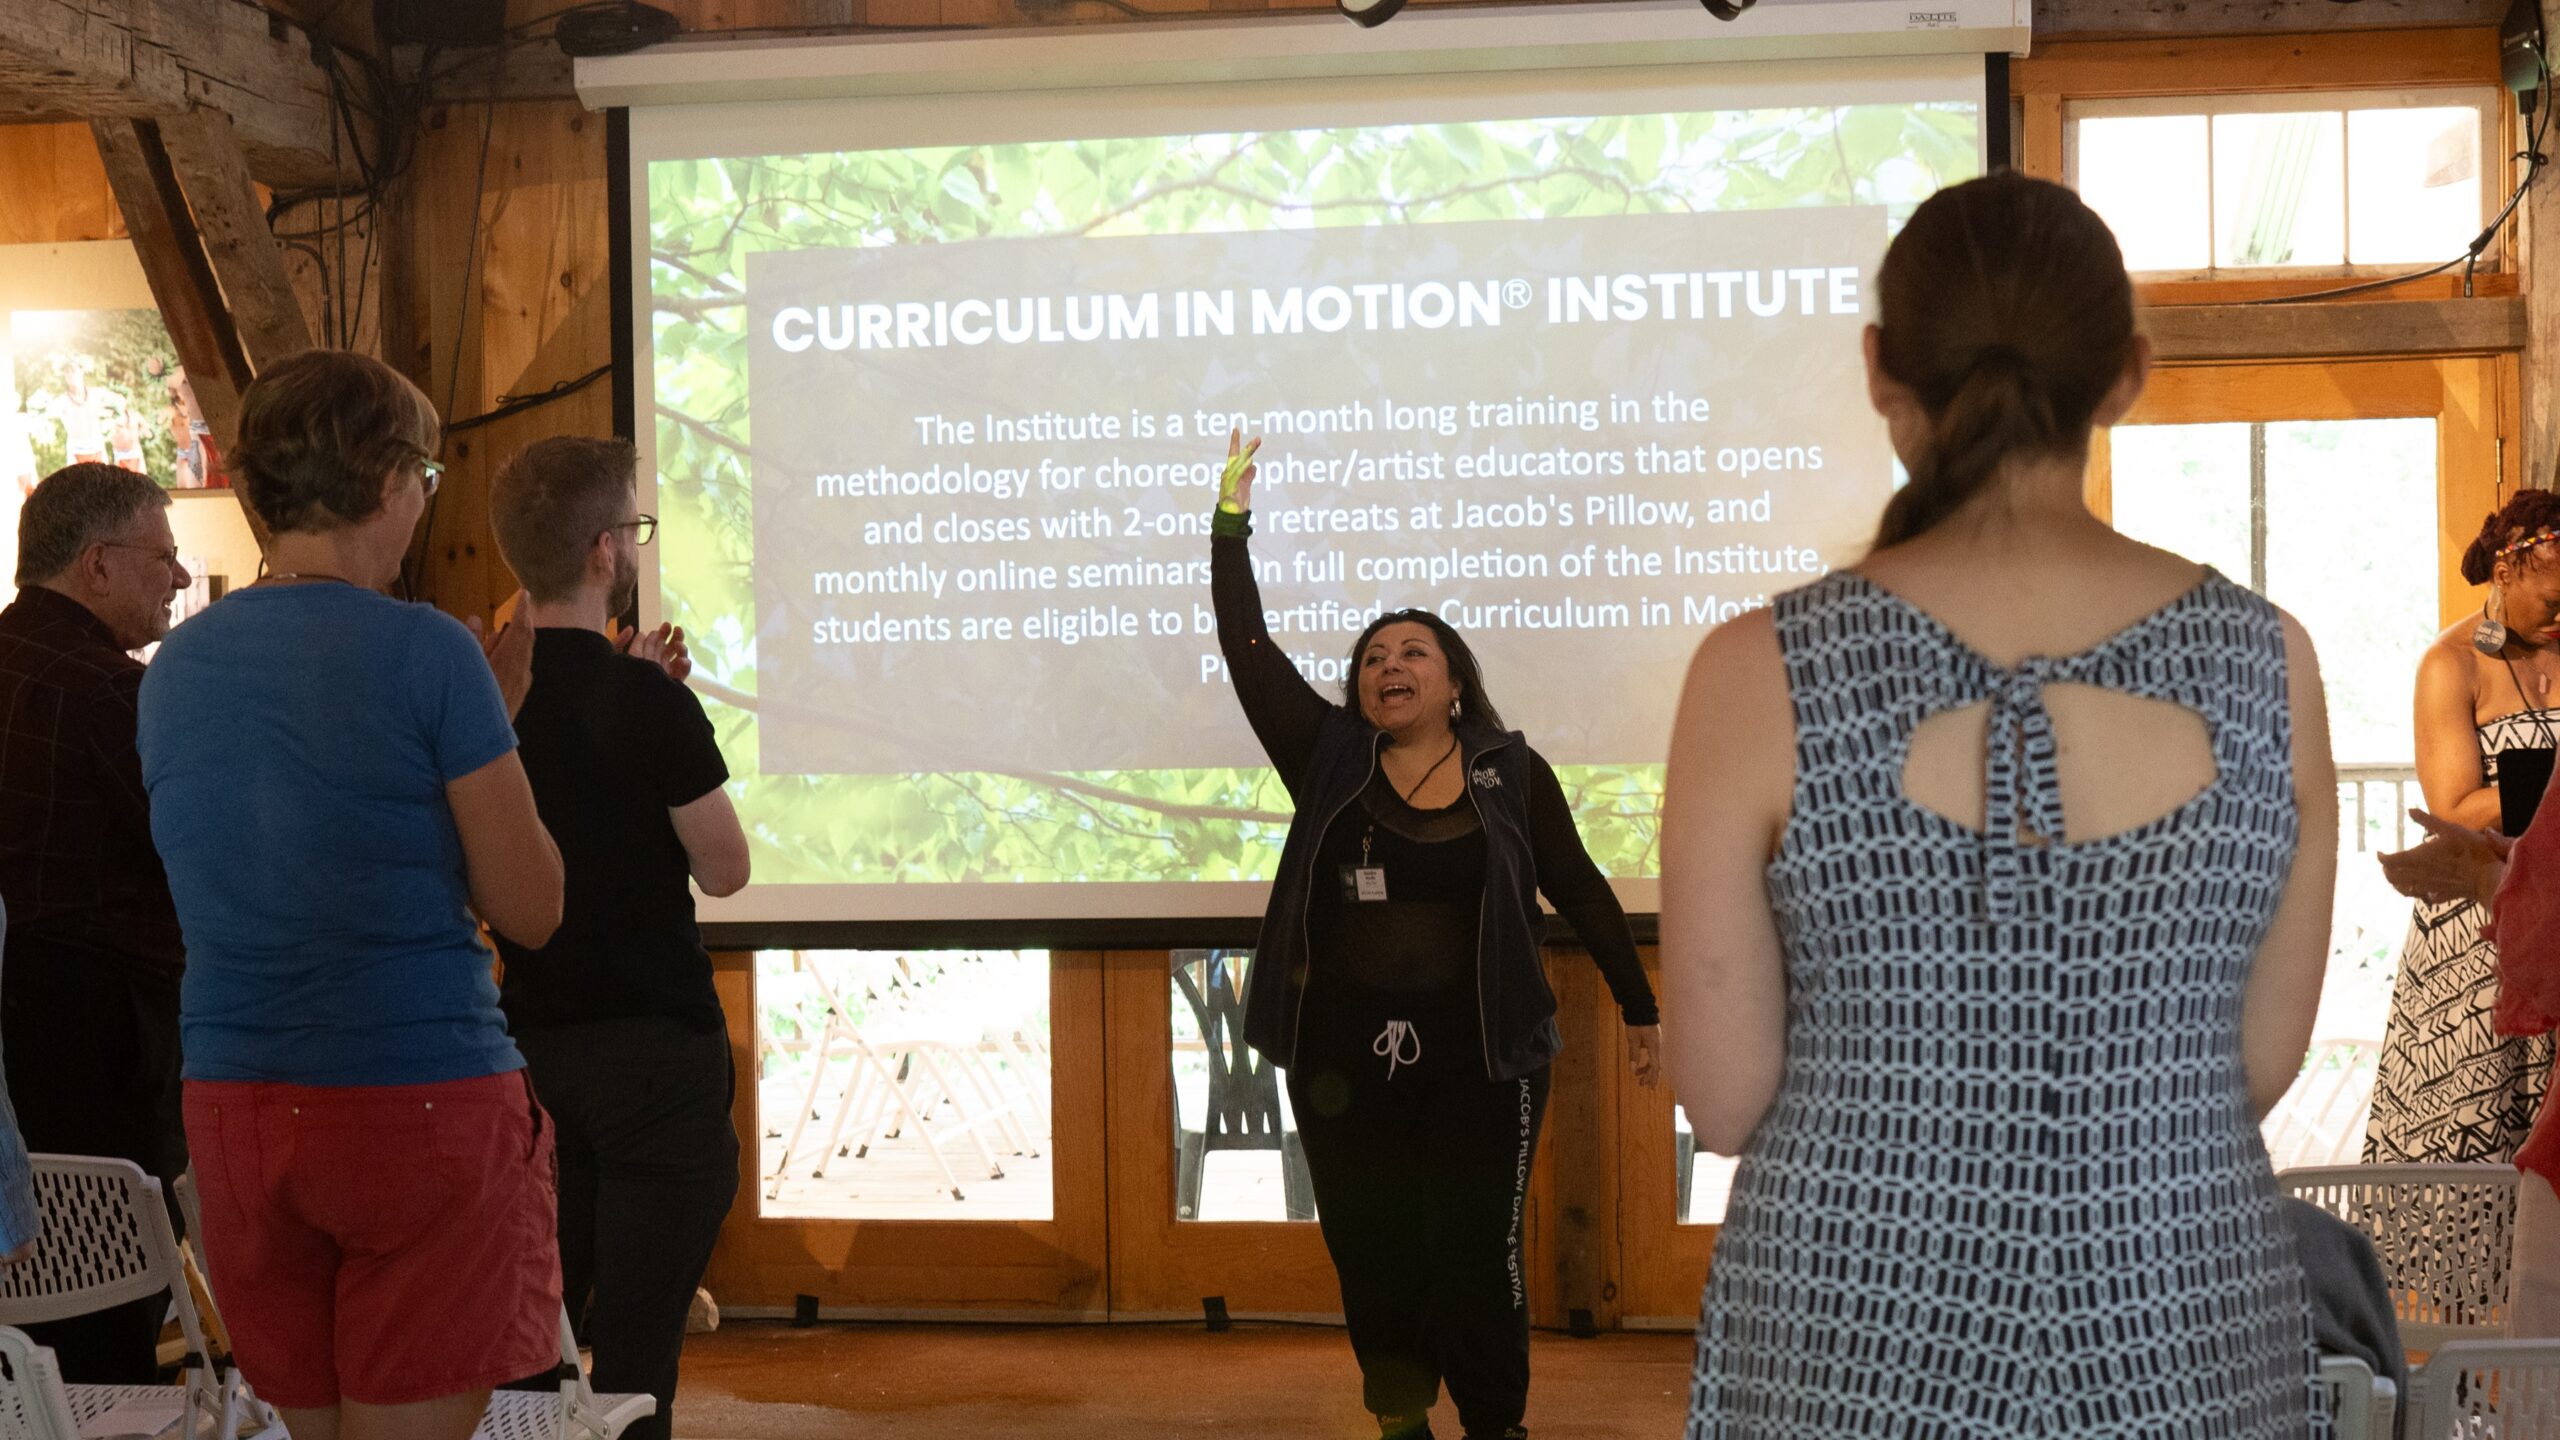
point(768, 1381)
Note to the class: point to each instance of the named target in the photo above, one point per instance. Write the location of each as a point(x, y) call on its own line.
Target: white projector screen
point(941, 386)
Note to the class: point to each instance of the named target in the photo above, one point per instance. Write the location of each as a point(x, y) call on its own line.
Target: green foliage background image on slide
point(707, 215)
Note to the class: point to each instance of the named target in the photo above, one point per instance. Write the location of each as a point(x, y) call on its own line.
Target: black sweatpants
point(90, 1046)
point(648, 1167)
point(1421, 1174)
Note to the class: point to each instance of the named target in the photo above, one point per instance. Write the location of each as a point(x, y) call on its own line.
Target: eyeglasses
point(644, 529)
point(166, 555)
point(432, 472)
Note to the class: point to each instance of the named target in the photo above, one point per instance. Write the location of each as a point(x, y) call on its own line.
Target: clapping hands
point(663, 647)
point(510, 652)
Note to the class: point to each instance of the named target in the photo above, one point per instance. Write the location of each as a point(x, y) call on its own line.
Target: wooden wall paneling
point(2209, 394)
point(204, 152)
point(2541, 265)
point(507, 306)
point(1661, 1263)
point(2040, 137)
point(2467, 475)
point(2110, 69)
point(886, 1268)
point(1161, 1266)
point(1574, 1213)
point(57, 187)
point(173, 260)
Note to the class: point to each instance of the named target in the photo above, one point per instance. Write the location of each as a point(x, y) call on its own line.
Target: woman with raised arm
point(1996, 875)
point(1399, 981)
point(2449, 1088)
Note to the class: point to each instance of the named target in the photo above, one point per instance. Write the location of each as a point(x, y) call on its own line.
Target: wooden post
point(2541, 220)
point(173, 260)
point(1578, 1153)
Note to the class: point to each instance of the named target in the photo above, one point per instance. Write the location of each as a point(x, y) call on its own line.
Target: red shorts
point(383, 1244)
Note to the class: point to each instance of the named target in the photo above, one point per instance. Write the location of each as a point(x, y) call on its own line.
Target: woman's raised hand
point(1235, 487)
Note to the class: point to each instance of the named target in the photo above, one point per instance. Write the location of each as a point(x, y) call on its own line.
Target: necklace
point(275, 576)
point(1434, 770)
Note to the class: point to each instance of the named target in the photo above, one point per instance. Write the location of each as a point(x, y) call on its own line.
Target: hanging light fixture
point(1368, 14)
point(1727, 9)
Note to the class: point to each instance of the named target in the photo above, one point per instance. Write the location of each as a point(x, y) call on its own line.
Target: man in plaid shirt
point(89, 982)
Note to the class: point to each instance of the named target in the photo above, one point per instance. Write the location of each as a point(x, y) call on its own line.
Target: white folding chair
point(576, 1413)
point(2321, 1119)
point(2478, 1389)
point(2362, 1405)
point(32, 1403)
point(2445, 1235)
point(107, 1242)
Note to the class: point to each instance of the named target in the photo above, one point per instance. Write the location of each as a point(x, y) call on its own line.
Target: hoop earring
point(2490, 636)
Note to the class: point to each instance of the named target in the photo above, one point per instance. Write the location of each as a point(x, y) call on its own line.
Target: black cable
point(518, 404)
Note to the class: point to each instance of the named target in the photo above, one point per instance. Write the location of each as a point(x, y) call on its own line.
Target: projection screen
point(934, 389)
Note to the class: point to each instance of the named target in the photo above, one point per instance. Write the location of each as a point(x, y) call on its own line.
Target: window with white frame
point(2206, 186)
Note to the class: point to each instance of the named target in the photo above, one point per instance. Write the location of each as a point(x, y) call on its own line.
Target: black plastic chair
point(1244, 1090)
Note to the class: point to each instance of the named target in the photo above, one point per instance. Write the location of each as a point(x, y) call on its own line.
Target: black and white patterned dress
point(2011, 1184)
point(2449, 1088)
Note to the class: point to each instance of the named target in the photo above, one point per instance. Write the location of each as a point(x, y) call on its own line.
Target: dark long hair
point(2004, 305)
point(1473, 703)
point(2525, 512)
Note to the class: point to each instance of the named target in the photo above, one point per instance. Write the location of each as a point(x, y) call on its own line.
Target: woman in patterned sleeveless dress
point(2003, 864)
point(2449, 1088)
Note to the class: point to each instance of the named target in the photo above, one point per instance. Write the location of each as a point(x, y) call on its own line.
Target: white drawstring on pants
point(1399, 1044)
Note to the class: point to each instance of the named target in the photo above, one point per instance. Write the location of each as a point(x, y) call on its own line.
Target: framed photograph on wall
point(88, 373)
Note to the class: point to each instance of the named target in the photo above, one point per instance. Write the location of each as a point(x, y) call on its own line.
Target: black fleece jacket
point(1325, 754)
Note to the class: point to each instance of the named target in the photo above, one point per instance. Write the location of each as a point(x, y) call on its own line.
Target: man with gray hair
point(89, 982)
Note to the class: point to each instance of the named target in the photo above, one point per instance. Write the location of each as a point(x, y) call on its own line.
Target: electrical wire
point(509, 405)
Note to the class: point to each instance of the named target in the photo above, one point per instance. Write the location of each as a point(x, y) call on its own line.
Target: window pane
point(2279, 193)
point(1704, 1181)
point(908, 1085)
point(2351, 538)
point(2413, 184)
point(2186, 488)
point(1235, 1144)
point(2145, 176)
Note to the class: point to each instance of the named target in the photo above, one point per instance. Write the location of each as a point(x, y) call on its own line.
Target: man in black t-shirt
point(619, 1024)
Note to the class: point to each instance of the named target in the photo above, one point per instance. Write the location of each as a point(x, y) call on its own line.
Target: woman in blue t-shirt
point(334, 790)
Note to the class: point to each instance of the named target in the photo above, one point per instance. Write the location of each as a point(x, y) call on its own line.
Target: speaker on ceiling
point(446, 24)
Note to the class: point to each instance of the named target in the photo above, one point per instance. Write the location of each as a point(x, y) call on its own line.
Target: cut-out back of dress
point(2011, 1184)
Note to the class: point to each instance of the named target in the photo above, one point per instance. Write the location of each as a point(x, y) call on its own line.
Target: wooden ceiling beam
point(148, 59)
point(2106, 19)
point(2316, 330)
point(205, 155)
point(172, 253)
